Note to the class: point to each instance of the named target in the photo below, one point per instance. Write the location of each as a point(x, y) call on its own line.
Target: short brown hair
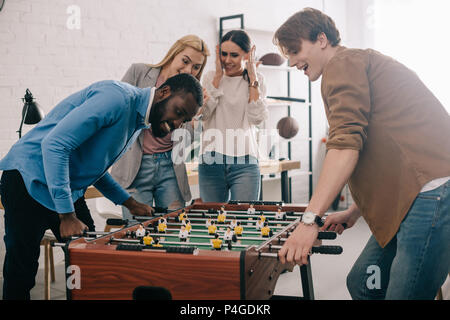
point(306, 24)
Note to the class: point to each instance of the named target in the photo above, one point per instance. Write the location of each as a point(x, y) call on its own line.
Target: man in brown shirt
point(390, 141)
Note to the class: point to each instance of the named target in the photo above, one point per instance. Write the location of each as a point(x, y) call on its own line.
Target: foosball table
point(178, 255)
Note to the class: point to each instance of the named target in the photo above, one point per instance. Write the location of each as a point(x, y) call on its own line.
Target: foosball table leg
point(307, 282)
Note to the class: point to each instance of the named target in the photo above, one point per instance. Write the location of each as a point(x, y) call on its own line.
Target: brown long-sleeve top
point(378, 106)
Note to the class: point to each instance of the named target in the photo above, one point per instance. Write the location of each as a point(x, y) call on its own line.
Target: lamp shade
point(31, 112)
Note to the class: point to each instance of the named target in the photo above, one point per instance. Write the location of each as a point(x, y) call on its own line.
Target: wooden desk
point(266, 167)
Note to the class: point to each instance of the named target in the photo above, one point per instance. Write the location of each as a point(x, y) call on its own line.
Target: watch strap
point(318, 220)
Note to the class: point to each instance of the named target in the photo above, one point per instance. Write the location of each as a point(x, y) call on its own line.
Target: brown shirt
point(376, 105)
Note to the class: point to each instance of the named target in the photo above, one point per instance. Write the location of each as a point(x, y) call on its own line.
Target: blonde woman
point(147, 170)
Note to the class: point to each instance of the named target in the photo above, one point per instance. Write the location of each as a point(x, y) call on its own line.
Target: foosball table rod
point(245, 221)
point(242, 215)
point(245, 232)
point(245, 213)
point(320, 249)
point(323, 235)
point(162, 235)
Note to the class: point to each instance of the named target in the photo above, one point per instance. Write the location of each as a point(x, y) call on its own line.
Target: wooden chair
point(107, 210)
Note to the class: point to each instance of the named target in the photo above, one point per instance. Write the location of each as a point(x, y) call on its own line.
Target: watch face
point(308, 218)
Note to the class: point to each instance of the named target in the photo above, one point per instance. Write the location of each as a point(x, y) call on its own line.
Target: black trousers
point(26, 221)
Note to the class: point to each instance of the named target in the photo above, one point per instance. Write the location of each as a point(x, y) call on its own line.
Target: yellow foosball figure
point(265, 231)
point(216, 242)
point(221, 217)
point(147, 240)
point(238, 229)
point(162, 225)
point(262, 217)
point(188, 226)
point(212, 228)
point(182, 216)
point(156, 243)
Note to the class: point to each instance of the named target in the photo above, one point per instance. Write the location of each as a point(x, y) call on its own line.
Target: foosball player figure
point(208, 222)
point(260, 223)
point(228, 235)
point(221, 217)
point(183, 234)
point(233, 224)
point(212, 228)
point(238, 229)
point(140, 231)
point(162, 225)
point(182, 216)
point(262, 216)
point(265, 230)
point(156, 243)
point(216, 242)
point(279, 214)
point(147, 240)
point(251, 209)
point(188, 226)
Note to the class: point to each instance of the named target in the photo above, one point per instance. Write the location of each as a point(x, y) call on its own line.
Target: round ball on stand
point(287, 127)
point(272, 59)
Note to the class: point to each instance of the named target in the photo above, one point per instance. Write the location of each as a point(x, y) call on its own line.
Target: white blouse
point(229, 118)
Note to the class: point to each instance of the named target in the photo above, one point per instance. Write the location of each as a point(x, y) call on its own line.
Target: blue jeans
point(222, 178)
point(156, 183)
point(415, 263)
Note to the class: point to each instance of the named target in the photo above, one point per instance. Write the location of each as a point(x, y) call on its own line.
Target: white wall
point(39, 51)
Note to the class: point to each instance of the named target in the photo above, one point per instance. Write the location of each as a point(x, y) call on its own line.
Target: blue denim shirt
point(75, 144)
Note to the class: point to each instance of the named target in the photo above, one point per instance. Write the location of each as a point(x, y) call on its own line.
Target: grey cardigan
point(125, 170)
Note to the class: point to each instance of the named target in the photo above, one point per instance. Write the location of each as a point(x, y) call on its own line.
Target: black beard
point(156, 114)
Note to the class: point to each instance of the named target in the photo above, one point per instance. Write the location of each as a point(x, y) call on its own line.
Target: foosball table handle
point(327, 249)
point(116, 222)
point(321, 249)
point(326, 235)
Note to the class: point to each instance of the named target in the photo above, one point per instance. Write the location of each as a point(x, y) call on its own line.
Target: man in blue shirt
point(50, 168)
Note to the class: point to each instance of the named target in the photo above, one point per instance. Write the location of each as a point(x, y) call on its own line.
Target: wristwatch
point(254, 84)
point(309, 218)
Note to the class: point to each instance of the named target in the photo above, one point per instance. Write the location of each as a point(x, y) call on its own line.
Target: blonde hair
point(187, 41)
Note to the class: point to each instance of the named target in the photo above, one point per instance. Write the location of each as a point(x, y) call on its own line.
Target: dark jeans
point(26, 221)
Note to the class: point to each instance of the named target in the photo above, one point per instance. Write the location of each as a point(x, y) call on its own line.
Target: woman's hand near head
point(252, 65)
